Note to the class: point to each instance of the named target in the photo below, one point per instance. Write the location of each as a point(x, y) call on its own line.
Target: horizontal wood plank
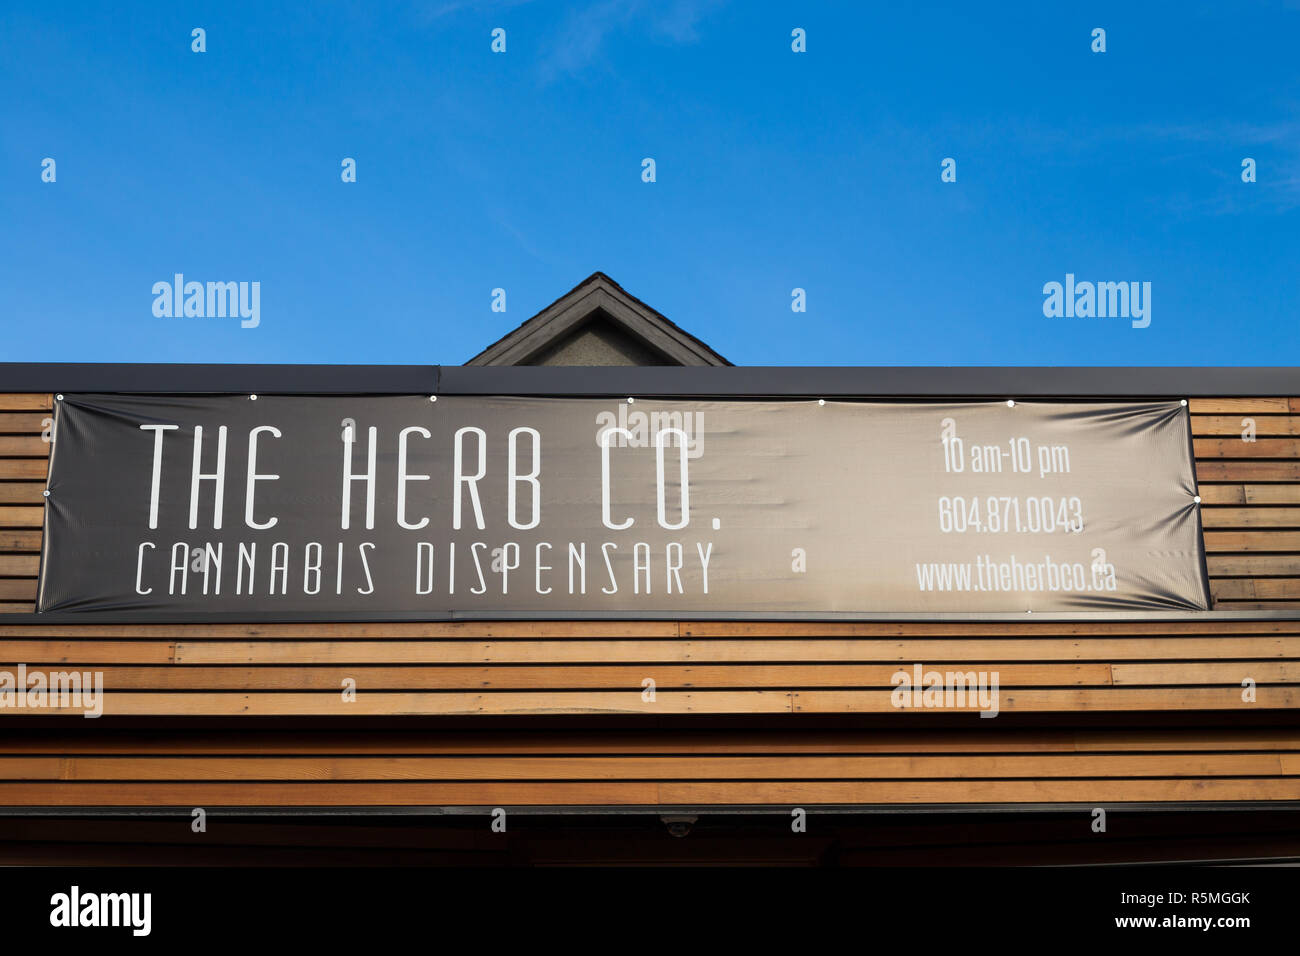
point(1253, 565)
point(18, 446)
point(577, 631)
point(81, 653)
point(702, 651)
point(1211, 448)
point(602, 767)
point(25, 401)
point(23, 469)
point(386, 703)
point(21, 492)
point(1246, 470)
point(1092, 792)
point(1256, 517)
point(1201, 672)
point(1082, 699)
point(598, 676)
point(1231, 605)
point(644, 793)
point(20, 517)
point(1285, 541)
point(450, 703)
point(1256, 589)
point(982, 738)
point(1249, 494)
point(1232, 406)
point(19, 565)
point(17, 589)
point(1237, 427)
point(329, 653)
point(1212, 495)
point(26, 423)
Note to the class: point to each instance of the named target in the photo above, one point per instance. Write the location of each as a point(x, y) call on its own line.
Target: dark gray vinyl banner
point(367, 506)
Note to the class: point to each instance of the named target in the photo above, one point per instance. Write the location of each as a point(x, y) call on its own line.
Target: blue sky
point(775, 170)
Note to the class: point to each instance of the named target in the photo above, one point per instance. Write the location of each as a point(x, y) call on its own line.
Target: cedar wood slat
point(645, 793)
point(610, 676)
point(30, 446)
point(671, 702)
point(21, 492)
point(1212, 495)
point(34, 423)
point(1247, 406)
point(605, 767)
point(26, 401)
point(614, 677)
point(981, 738)
point(715, 651)
point(1256, 516)
point(1208, 426)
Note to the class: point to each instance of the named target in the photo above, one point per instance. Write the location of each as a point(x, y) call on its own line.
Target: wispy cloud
point(436, 11)
point(1278, 186)
point(1177, 143)
point(584, 33)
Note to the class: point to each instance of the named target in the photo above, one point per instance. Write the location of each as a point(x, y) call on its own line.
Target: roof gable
point(598, 323)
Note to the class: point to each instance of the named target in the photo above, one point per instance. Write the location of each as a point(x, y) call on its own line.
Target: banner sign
point(365, 506)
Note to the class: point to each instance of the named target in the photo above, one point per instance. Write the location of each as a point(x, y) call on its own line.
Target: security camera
point(678, 826)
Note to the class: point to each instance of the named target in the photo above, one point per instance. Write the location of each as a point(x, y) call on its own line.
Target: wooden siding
point(1250, 497)
point(454, 681)
point(659, 768)
point(24, 455)
point(540, 668)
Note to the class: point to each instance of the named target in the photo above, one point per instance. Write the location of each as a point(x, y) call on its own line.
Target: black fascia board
point(207, 379)
point(870, 381)
point(720, 382)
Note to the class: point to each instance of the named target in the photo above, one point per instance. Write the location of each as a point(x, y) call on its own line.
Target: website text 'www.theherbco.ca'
point(987, 574)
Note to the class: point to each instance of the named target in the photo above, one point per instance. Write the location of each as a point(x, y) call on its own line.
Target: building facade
point(1179, 727)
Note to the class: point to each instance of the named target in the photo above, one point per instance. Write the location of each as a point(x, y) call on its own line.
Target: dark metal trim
point(751, 381)
point(221, 379)
point(862, 382)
